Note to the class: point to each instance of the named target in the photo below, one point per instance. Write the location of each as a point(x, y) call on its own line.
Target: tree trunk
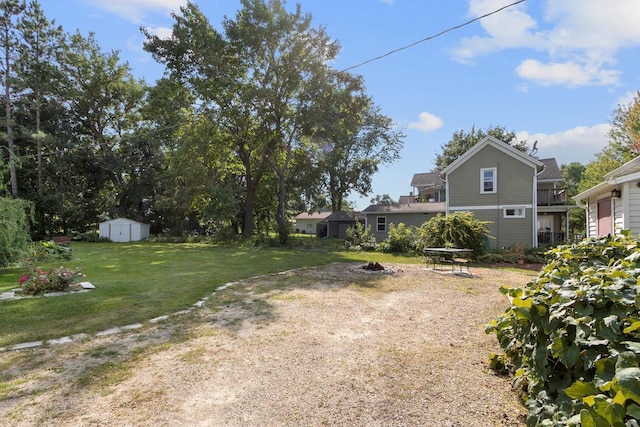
point(281, 217)
point(38, 142)
point(7, 106)
point(247, 226)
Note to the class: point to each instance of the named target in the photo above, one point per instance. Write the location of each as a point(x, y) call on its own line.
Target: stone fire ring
point(370, 269)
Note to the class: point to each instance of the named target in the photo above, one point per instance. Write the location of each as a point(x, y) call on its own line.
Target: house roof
point(551, 170)
point(313, 215)
point(428, 180)
point(499, 145)
point(406, 208)
point(630, 171)
point(630, 168)
point(345, 216)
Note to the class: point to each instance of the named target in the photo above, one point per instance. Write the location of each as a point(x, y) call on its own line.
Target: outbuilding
point(123, 230)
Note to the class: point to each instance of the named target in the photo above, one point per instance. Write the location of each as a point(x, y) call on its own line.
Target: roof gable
point(551, 171)
point(428, 179)
point(499, 145)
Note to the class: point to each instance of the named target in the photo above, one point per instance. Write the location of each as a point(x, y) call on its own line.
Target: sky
point(553, 71)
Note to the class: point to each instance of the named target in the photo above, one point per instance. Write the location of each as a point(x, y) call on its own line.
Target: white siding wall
point(617, 211)
point(592, 218)
point(634, 209)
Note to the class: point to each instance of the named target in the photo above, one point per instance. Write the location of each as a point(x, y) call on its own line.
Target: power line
point(430, 37)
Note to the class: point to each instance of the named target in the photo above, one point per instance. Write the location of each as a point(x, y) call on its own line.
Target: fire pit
point(373, 268)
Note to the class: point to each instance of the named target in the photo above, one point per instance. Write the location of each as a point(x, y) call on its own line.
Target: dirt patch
point(319, 346)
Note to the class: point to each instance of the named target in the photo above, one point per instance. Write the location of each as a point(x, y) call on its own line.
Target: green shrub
point(572, 336)
point(49, 250)
point(458, 230)
point(14, 229)
point(360, 238)
point(402, 239)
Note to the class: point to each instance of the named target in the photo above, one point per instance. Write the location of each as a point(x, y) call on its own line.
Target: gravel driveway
point(320, 346)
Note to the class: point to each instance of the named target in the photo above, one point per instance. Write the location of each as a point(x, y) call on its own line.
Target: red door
point(604, 217)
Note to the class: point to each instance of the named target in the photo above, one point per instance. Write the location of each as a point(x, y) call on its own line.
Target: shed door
point(120, 232)
point(604, 216)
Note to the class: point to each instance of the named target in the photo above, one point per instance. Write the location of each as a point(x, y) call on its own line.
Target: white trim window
point(514, 212)
point(488, 180)
point(381, 223)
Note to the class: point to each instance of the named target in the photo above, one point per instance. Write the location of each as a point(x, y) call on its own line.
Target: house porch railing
point(550, 237)
point(553, 197)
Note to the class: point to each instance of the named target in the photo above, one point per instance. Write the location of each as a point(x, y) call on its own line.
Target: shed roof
point(345, 216)
point(121, 221)
point(319, 215)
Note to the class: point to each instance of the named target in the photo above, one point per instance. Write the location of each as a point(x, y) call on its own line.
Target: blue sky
point(551, 70)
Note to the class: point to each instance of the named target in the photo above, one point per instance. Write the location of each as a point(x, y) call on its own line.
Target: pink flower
point(24, 278)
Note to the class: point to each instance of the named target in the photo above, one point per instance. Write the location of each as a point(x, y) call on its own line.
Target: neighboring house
point(380, 216)
point(307, 222)
point(337, 224)
point(429, 187)
point(614, 204)
point(515, 192)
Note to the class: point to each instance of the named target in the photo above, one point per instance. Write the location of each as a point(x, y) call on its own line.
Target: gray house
point(613, 205)
point(379, 217)
point(518, 194)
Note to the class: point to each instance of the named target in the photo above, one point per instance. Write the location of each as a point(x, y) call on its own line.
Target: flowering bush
point(37, 281)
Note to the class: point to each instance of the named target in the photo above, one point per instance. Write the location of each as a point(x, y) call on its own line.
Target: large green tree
point(262, 83)
point(354, 138)
point(104, 102)
point(38, 74)
point(9, 40)
point(462, 141)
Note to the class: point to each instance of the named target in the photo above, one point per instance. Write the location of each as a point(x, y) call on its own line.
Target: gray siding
point(408, 219)
point(515, 180)
point(505, 232)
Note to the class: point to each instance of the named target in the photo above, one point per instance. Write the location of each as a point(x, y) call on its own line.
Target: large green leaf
point(581, 389)
point(590, 419)
point(628, 382)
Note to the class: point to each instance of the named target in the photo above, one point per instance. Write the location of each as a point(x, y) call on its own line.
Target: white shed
point(124, 230)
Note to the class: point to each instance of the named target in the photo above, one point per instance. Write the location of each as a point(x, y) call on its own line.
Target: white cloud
point(565, 74)
point(162, 32)
point(579, 38)
point(627, 99)
point(579, 144)
point(137, 10)
point(427, 122)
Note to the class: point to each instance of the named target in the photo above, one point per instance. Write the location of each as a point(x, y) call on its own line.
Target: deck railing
point(552, 197)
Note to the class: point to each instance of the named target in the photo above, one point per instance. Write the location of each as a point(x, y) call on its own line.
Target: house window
point(514, 212)
point(488, 180)
point(381, 223)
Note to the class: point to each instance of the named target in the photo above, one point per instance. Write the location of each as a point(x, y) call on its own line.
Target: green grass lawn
point(138, 281)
